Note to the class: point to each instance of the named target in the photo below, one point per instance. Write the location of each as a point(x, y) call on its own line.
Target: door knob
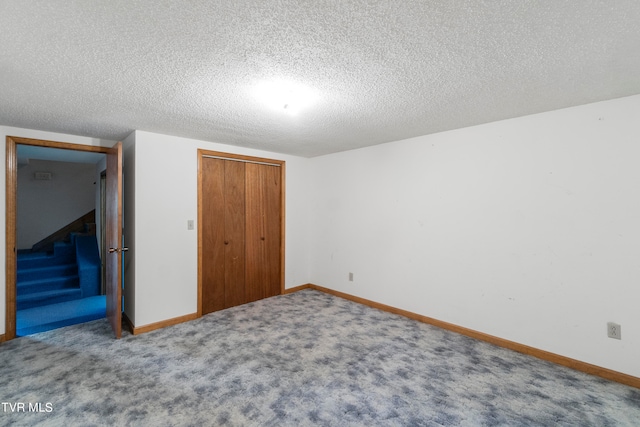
point(112, 250)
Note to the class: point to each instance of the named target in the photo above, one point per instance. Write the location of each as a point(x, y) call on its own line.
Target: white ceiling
point(381, 70)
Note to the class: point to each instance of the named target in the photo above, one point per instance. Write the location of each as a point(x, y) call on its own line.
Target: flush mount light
point(285, 96)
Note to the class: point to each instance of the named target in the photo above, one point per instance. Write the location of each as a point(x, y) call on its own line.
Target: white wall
point(129, 226)
point(45, 206)
point(527, 229)
point(26, 133)
point(166, 254)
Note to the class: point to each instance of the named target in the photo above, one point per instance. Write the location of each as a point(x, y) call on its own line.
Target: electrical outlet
point(351, 277)
point(614, 331)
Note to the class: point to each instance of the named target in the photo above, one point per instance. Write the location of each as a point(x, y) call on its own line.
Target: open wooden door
point(114, 238)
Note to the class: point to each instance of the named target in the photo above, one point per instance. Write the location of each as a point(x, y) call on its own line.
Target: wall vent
point(42, 176)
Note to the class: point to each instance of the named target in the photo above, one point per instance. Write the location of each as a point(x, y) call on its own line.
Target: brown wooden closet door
point(223, 234)
point(263, 205)
point(234, 229)
point(241, 232)
point(213, 247)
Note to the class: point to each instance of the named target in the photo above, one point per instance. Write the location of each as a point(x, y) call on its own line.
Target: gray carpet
point(301, 359)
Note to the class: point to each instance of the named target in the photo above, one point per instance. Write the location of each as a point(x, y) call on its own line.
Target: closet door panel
point(273, 232)
point(213, 268)
point(234, 226)
point(255, 233)
point(263, 231)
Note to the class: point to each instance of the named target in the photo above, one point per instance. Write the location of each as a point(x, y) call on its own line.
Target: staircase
point(59, 288)
point(47, 278)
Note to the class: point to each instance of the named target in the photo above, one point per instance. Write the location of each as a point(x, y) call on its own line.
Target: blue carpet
point(53, 316)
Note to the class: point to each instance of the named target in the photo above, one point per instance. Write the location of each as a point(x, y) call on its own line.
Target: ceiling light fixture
point(286, 96)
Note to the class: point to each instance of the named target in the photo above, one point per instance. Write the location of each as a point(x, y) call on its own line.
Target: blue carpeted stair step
point(34, 299)
point(63, 253)
point(48, 284)
point(40, 319)
point(28, 274)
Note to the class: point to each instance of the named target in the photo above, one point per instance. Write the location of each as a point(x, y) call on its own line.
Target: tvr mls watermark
point(27, 407)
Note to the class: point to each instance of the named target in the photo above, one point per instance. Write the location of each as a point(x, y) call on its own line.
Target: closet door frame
point(202, 154)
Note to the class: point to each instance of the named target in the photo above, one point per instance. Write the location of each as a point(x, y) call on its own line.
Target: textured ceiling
point(381, 70)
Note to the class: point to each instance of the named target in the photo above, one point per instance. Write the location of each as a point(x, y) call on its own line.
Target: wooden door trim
point(10, 219)
point(239, 157)
point(252, 159)
point(10, 239)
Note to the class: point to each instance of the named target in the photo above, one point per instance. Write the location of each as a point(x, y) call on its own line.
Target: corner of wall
point(129, 223)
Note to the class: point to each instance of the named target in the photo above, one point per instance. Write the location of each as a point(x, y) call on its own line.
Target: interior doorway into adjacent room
point(17, 150)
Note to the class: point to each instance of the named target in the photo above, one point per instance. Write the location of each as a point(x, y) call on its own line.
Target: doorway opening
point(54, 235)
